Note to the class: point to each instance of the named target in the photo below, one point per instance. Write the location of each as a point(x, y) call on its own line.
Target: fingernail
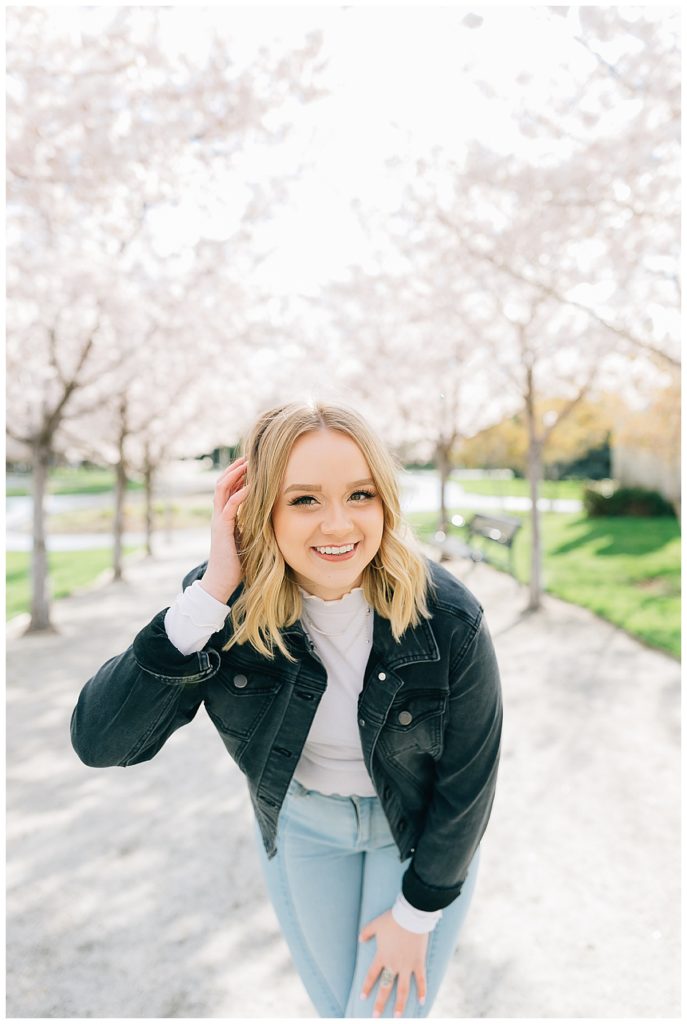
point(362, 995)
point(422, 1001)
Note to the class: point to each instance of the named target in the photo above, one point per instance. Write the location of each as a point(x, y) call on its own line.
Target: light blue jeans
point(336, 868)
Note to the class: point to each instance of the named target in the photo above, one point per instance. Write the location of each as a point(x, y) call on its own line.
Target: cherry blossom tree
point(565, 252)
point(71, 326)
point(406, 355)
point(600, 172)
point(108, 125)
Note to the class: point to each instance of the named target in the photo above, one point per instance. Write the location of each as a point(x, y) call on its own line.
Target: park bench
point(501, 530)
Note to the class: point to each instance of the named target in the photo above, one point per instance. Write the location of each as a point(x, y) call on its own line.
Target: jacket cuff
point(155, 653)
point(427, 897)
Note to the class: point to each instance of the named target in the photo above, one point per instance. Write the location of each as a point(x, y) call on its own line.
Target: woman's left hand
point(403, 952)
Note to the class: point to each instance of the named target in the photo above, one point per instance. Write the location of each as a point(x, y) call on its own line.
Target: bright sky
point(398, 82)
point(402, 80)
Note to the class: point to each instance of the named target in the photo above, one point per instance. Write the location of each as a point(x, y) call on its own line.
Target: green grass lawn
point(517, 488)
point(64, 480)
point(68, 570)
point(625, 569)
point(185, 512)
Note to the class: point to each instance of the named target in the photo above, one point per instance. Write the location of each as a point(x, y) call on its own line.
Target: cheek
point(288, 530)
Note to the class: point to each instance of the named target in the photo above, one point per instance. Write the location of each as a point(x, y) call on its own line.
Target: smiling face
point(327, 499)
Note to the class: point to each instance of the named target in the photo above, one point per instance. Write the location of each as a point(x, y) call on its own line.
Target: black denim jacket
point(429, 717)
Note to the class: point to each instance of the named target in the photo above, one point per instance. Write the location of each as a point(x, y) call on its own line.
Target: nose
point(336, 521)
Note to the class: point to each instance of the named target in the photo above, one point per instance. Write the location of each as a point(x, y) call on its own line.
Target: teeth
point(335, 551)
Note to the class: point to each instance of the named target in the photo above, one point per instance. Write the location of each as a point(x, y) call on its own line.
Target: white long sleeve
point(193, 618)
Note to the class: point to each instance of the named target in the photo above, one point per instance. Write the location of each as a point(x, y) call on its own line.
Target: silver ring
point(387, 977)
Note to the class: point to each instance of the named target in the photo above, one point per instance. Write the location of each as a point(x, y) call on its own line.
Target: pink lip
point(336, 558)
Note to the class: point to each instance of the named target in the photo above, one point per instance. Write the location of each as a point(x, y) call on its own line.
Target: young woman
point(354, 683)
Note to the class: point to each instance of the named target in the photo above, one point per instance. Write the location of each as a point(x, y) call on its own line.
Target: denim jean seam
point(431, 952)
point(283, 878)
point(429, 970)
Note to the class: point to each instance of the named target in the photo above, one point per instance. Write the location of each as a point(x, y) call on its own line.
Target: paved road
point(134, 892)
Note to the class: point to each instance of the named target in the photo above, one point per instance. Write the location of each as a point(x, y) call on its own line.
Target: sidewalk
point(135, 893)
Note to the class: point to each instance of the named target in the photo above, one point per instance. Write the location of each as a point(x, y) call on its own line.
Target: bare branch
point(52, 420)
point(52, 349)
point(569, 406)
point(629, 87)
point(517, 275)
point(23, 439)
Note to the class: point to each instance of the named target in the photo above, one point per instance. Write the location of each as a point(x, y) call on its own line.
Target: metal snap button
point(240, 681)
point(361, 721)
point(405, 718)
point(381, 675)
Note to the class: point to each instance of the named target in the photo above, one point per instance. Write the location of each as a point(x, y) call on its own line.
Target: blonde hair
point(394, 583)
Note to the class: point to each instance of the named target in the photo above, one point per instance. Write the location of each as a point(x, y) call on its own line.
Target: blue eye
point(299, 501)
point(308, 497)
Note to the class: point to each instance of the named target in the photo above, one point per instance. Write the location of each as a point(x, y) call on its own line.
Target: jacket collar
point(417, 643)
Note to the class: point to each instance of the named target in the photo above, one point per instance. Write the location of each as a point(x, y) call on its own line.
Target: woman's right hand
point(224, 570)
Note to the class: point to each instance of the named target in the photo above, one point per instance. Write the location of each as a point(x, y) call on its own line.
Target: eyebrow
point(317, 487)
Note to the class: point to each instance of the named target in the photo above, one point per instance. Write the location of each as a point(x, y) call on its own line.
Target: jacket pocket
point(238, 699)
point(414, 722)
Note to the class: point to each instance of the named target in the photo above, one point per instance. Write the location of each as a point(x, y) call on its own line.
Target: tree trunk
point(168, 519)
point(118, 525)
point(40, 597)
point(444, 467)
point(534, 474)
point(534, 470)
point(148, 484)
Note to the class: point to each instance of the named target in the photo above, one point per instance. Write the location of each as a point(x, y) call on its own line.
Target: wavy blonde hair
point(394, 583)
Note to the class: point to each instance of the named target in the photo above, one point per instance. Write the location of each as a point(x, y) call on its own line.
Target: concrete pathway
point(135, 892)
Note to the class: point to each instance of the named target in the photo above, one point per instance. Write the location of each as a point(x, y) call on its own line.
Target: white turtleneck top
point(331, 761)
point(332, 758)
